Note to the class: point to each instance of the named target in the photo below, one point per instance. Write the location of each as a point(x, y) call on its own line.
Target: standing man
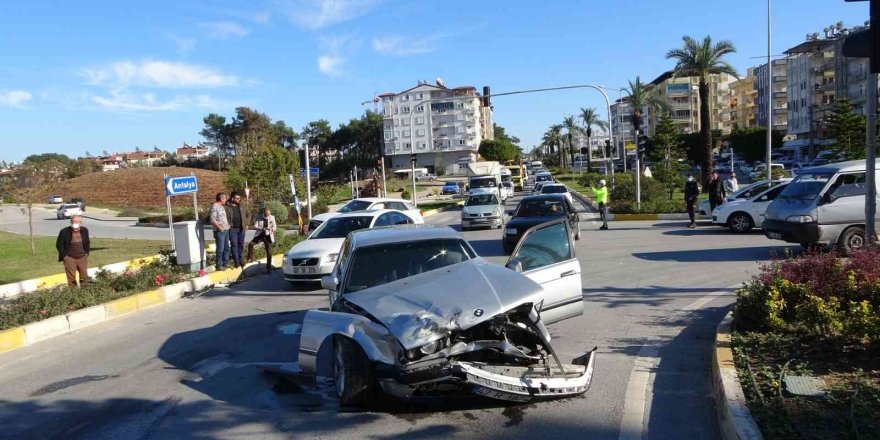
point(691, 192)
point(716, 191)
point(731, 185)
point(601, 196)
point(73, 246)
point(265, 227)
point(239, 220)
point(221, 230)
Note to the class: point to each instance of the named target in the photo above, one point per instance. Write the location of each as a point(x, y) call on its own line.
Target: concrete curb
point(734, 418)
point(32, 333)
point(12, 290)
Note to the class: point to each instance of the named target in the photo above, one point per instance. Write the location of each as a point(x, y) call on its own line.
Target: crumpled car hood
point(426, 307)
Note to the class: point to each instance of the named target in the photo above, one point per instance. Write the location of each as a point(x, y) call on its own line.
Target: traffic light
point(607, 148)
point(583, 150)
point(589, 132)
point(643, 141)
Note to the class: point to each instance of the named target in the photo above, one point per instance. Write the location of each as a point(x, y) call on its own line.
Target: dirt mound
point(141, 188)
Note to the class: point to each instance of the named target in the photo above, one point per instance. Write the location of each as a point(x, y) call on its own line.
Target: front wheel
point(351, 372)
point(741, 222)
point(851, 239)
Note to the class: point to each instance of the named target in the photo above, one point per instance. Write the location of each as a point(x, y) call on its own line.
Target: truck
point(485, 178)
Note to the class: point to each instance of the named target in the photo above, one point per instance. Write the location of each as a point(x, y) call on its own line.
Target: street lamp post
point(770, 97)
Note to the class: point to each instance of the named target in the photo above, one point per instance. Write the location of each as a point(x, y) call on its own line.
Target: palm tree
point(590, 119)
point(571, 127)
point(553, 138)
point(642, 97)
point(702, 60)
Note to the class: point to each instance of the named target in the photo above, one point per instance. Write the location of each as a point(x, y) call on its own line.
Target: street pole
point(308, 184)
point(871, 160)
point(638, 170)
point(384, 190)
point(413, 172)
point(769, 96)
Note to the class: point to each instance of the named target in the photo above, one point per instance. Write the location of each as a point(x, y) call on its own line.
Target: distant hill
point(142, 188)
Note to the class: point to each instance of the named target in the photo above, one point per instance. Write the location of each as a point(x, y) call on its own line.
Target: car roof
point(373, 213)
point(400, 234)
point(553, 184)
point(378, 199)
point(544, 197)
point(852, 165)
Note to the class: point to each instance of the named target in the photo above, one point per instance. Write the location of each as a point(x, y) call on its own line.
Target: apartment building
point(742, 97)
point(441, 126)
point(780, 99)
point(621, 117)
point(682, 94)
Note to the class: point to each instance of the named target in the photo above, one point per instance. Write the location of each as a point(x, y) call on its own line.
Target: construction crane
point(375, 102)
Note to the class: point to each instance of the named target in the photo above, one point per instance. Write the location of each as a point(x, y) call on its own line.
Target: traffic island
point(734, 419)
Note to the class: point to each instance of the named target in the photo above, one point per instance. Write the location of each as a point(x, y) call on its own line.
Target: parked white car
point(309, 260)
point(56, 199)
point(370, 204)
point(744, 214)
point(760, 170)
point(557, 188)
point(745, 192)
point(68, 210)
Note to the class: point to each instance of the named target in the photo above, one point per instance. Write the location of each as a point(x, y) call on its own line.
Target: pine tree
point(847, 128)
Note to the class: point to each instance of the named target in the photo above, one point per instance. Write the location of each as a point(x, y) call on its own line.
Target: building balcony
point(780, 127)
point(781, 94)
point(779, 78)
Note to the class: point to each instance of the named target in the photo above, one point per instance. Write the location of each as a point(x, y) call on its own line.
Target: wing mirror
point(515, 265)
point(330, 282)
point(510, 213)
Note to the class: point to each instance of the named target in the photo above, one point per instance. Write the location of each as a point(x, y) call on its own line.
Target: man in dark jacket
point(73, 246)
point(238, 214)
point(716, 191)
point(691, 192)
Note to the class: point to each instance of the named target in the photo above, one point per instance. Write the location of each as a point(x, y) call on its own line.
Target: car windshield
point(514, 171)
point(482, 199)
point(806, 186)
point(354, 205)
point(553, 189)
point(450, 185)
point(542, 178)
point(339, 227)
point(69, 206)
point(540, 208)
point(486, 182)
point(381, 264)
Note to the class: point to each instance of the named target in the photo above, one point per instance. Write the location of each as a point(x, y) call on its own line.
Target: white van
point(822, 206)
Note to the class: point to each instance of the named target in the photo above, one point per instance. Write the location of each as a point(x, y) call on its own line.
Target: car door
point(407, 209)
point(758, 207)
point(384, 220)
point(546, 255)
point(399, 218)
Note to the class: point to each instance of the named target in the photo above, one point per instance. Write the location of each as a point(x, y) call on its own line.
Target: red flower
point(202, 272)
point(43, 312)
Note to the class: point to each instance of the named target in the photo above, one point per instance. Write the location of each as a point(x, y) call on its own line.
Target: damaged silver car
point(415, 312)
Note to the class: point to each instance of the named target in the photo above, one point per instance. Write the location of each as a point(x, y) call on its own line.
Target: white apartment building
point(780, 100)
point(621, 117)
point(441, 126)
point(682, 95)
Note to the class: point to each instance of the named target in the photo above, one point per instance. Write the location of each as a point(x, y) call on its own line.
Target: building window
point(420, 132)
point(420, 120)
point(407, 145)
point(405, 122)
point(405, 109)
point(461, 142)
point(422, 145)
point(407, 133)
point(420, 109)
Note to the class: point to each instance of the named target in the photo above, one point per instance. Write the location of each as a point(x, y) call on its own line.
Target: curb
point(734, 418)
point(35, 332)
point(12, 290)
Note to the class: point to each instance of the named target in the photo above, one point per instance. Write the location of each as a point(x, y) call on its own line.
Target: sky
point(90, 76)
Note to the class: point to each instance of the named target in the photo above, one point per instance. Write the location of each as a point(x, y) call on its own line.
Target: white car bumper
point(296, 270)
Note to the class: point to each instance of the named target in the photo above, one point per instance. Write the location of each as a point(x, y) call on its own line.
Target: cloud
point(330, 65)
point(401, 46)
point(317, 14)
point(157, 74)
point(224, 29)
point(150, 102)
point(184, 45)
point(15, 98)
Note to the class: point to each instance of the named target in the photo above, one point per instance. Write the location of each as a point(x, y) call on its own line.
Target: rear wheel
point(351, 373)
point(740, 222)
point(851, 239)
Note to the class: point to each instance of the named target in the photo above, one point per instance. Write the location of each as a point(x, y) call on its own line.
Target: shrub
point(279, 210)
point(587, 180)
point(406, 195)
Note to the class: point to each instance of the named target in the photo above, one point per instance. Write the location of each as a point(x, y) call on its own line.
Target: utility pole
point(770, 97)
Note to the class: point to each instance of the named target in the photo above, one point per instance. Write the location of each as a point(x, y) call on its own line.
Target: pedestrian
point(220, 224)
point(691, 192)
point(601, 196)
point(73, 246)
point(731, 185)
point(265, 226)
point(239, 221)
point(715, 190)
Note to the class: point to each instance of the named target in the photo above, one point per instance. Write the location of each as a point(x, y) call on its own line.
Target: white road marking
point(636, 404)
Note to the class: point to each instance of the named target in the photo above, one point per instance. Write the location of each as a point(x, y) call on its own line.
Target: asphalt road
point(100, 223)
point(654, 291)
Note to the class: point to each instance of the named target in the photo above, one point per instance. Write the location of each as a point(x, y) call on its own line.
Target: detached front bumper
point(522, 384)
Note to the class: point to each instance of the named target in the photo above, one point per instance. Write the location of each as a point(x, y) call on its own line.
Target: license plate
point(775, 235)
point(501, 396)
point(303, 270)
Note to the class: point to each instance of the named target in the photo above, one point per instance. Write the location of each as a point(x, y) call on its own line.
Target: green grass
point(17, 263)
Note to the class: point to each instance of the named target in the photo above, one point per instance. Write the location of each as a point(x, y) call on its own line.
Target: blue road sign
point(313, 171)
point(175, 186)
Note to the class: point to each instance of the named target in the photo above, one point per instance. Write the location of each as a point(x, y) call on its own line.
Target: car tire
point(351, 372)
point(740, 222)
point(852, 239)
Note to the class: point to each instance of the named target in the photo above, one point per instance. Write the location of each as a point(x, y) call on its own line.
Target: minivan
point(823, 205)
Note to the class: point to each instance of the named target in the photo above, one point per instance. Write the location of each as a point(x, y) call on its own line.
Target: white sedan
point(744, 214)
point(557, 188)
point(68, 210)
point(309, 260)
point(370, 204)
point(746, 192)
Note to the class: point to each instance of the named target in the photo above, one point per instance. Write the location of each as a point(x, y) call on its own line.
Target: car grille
point(487, 214)
point(304, 261)
point(474, 215)
point(314, 224)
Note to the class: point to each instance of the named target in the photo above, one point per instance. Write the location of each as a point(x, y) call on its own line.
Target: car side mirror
point(330, 282)
point(515, 265)
point(510, 213)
